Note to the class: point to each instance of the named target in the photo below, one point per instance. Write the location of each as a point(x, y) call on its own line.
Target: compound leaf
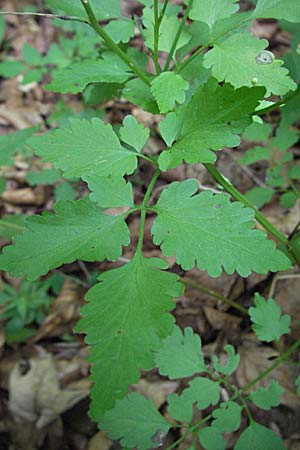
point(75, 78)
point(102, 8)
point(211, 439)
point(203, 392)
point(276, 325)
point(210, 11)
point(242, 60)
point(124, 319)
point(92, 151)
point(212, 232)
point(278, 9)
point(211, 121)
point(134, 133)
point(76, 230)
point(232, 362)
point(258, 437)
point(134, 420)
point(266, 398)
point(227, 417)
point(189, 357)
point(169, 88)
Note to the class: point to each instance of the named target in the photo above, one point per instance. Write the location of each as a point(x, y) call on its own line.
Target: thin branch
point(156, 37)
point(178, 34)
point(111, 44)
point(50, 16)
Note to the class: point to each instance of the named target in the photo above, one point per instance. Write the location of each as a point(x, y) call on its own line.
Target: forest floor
point(208, 304)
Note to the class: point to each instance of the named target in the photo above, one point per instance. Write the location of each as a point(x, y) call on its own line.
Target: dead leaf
point(25, 196)
point(100, 441)
point(157, 391)
point(35, 394)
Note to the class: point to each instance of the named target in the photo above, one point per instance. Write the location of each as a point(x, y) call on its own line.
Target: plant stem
point(144, 211)
point(278, 104)
point(51, 16)
point(110, 43)
point(277, 363)
point(178, 34)
point(162, 12)
point(214, 294)
point(156, 38)
point(219, 178)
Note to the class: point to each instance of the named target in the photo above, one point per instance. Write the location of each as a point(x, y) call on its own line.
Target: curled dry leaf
point(25, 196)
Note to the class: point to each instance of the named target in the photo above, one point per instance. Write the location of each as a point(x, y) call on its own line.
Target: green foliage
point(276, 325)
point(139, 411)
point(131, 305)
point(258, 437)
point(76, 230)
point(127, 318)
point(23, 307)
point(266, 398)
point(189, 357)
point(168, 88)
point(209, 237)
point(211, 120)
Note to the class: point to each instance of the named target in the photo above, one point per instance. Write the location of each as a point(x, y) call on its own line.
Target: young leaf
point(189, 357)
point(200, 229)
point(211, 121)
point(276, 325)
point(278, 9)
point(134, 420)
point(102, 8)
point(227, 417)
point(31, 56)
point(203, 392)
point(232, 362)
point(211, 439)
point(12, 143)
point(259, 196)
point(288, 199)
point(76, 230)
point(170, 128)
point(242, 60)
point(180, 407)
point(92, 151)
point(258, 437)
point(169, 88)
point(210, 11)
point(254, 155)
point(47, 176)
point(266, 398)
point(134, 133)
point(124, 319)
point(258, 131)
point(9, 69)
point(120, 30)
point(75, 78)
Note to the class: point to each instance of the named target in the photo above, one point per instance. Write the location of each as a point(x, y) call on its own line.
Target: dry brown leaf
point(220, 320)
point(25, 196)
point(157, 391)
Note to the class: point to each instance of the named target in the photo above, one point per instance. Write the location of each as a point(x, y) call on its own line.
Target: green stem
point(277, 363)
point(111, 44)
point(219, 178)
point(156, 38)
point(178, 34)
point(51, 16)
point(144, 211)
point(213, 294)
point(278, 104)
point(162, 12)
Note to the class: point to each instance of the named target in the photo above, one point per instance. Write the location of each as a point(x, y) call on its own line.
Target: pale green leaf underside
point(211, 121)
point(210, 11)
point(212, 232)
point(124, 319)
point(189, 357)
point(234, 61)
point(276, 325)
point(76, 230)
point(12, 143)
point(75, 78)
point(102, 8)
point(90, 150)
point(134, 420)
point(266, 398)
point(168, 88)
point(258, 437)
point(278, 9)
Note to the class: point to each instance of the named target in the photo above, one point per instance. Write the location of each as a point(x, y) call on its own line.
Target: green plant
point(23, 307)
point(127, 314)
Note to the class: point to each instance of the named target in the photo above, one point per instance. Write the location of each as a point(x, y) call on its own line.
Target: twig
point(51, 16)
